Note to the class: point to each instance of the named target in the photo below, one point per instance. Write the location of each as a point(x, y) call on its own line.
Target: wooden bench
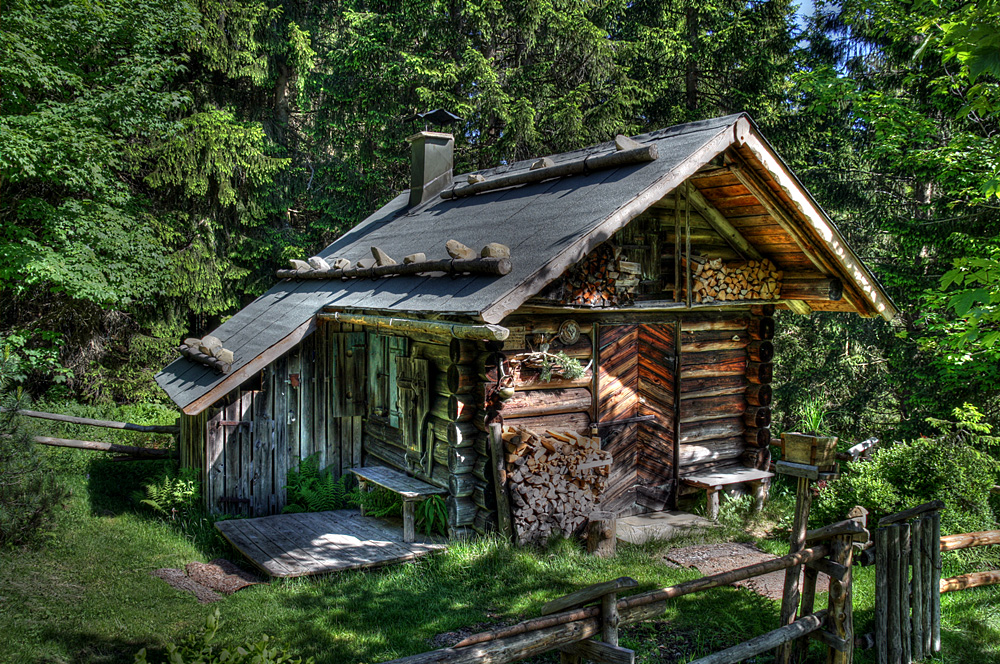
point(411, 489)
point(713, 483)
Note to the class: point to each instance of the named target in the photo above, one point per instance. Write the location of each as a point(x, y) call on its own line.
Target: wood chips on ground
point(206, 581)
point(715, 558)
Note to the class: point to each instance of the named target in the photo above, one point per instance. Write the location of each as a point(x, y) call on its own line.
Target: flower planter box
point(809, 449)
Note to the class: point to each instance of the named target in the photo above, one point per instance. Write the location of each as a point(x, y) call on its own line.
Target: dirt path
point(715, 558)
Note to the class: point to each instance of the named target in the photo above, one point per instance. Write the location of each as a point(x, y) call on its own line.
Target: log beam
point(721, 225)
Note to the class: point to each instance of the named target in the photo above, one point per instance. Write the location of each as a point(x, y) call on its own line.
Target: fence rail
point(572, 630)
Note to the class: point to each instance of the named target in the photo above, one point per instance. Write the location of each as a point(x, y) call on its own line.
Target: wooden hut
point(654, 262)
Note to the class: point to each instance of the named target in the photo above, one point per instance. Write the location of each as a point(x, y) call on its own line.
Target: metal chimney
point(432, 157)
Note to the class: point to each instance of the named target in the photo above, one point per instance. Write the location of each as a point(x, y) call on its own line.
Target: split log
point(695, 388)
point(547, 402)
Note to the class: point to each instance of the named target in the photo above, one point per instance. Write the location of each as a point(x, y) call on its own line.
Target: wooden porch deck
point(289, 545)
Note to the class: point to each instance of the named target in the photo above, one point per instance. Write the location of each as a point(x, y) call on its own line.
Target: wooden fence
point(570, 626)
point(127, 452)
point(908, 584)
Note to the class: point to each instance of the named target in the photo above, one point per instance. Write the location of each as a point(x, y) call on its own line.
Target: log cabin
point(611, 307)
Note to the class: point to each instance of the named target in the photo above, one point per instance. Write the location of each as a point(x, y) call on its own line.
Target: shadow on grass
point(86, 647)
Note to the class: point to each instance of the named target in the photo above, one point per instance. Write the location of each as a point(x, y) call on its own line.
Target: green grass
point(87, 595)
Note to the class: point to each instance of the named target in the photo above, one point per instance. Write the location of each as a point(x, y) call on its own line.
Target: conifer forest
point(161, 159)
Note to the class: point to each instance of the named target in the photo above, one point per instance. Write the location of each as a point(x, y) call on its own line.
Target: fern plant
point(313, 490)
point(173, 495)
point(378, 502)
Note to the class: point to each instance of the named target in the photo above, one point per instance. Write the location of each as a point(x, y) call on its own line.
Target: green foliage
point(812, 416)
point(312, 490)
point(378, 502)
point(29, 493)
point(559, 364)
point(201, 648)
point(948, 467)
point(176, 494)
point(432, 515)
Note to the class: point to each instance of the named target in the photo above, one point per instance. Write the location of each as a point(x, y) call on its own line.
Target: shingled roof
point(548, 226)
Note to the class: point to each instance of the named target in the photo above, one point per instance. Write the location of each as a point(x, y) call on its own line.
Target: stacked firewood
point(556, 479)
point(715, 281)
point(602, 279)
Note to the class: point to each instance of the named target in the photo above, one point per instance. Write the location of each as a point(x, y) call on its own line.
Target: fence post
point(917, 585)
point(882, 595)
point(892, 582)
point(840, 613)
point(904, 592)
point(936, 581)
point(797, 539)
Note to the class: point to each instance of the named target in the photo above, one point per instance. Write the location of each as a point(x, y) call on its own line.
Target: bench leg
point(759, 494)
point(409, 525)
point(713, 503)
point(363, 486)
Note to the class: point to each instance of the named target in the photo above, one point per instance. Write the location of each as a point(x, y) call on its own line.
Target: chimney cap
point(438, 116)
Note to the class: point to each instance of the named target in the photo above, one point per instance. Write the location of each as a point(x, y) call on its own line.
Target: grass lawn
point(87, 595)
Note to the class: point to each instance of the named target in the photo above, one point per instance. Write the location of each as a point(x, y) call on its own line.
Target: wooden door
point(657, 370)
point(414, 404)
point(618, 399)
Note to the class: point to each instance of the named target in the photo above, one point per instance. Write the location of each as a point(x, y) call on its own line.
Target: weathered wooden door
point(657, 397)
point(618, 400)
point(414, 404)
point(636, 380)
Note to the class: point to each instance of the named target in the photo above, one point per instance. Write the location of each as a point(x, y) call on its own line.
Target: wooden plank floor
point(322, 542)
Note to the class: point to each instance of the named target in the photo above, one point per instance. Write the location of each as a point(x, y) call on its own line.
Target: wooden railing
point(129, 452)
point(975, 579)
point(571, 626)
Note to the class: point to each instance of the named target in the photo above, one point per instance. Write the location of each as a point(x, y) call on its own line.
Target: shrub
point(200, 648)
point(948, 467)
point(176, 494)
point(29, 493)
point(313, 490)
